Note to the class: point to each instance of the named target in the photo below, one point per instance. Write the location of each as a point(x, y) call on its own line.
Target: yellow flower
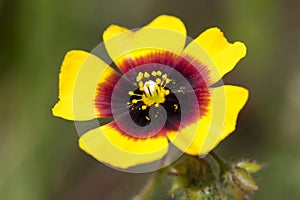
point(161, 93)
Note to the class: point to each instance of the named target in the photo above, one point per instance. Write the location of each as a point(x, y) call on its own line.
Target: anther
point(135, 101)
point(144, 107)
point(153, 73)
point(139, 77)
point(146, 75)
point(158, 81)
point(175, 107)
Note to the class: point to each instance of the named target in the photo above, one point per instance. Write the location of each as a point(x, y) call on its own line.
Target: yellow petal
point(213, 49)
point(201, 137)
point(107, 144)
point(80, 72)
point(163, 33)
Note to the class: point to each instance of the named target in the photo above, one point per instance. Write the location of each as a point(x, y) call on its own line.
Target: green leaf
point(243, 179)
point(249, 166)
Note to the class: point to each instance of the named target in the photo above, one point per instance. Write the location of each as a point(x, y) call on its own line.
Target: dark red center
point(187, 101)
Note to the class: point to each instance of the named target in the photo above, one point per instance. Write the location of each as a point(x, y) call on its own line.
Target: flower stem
point(152, 184)
point(221, 162)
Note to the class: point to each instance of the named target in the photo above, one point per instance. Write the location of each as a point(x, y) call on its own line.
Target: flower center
point(154, 94)
point(150, 92)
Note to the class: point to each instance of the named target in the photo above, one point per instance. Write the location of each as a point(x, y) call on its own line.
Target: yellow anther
point(158, 81)
point(135, 101)
point(139, 77)
point(144, 107)
point(153, 73)
point(131, 93)
point(168, 81)
point(146, 75)
point(156, 105)
point(167, 92)
point(148, 118)
point(158, 73)
point(164, 76)
point(175, 107)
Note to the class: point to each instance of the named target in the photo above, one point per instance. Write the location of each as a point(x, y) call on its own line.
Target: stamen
point(141, 86)
point(175, 107)
point(146, 75)
point(136, 100)
point(153, 73)
point(158, 81)
point(144, 107)
point(158, 73)
point(139, 77)
point(131, 93)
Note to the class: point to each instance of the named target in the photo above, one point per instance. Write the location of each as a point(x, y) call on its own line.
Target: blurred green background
point(40, 159)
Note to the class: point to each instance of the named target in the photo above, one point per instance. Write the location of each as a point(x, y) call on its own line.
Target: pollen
point(144, 107)
point(141, 86)
point(146, 75)
point(158, 81)
point(139, 77)
point(154, 73)
point(135, 101)
point(175, 107)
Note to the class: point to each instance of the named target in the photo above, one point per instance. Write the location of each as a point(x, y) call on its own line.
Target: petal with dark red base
point(104, 92)
point(201, 137)
point(78, 78)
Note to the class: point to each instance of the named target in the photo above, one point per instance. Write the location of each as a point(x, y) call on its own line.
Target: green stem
point(221, 162)
point(152, 184)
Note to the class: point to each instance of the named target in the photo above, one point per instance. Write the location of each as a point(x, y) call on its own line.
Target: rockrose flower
point(161, 90)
